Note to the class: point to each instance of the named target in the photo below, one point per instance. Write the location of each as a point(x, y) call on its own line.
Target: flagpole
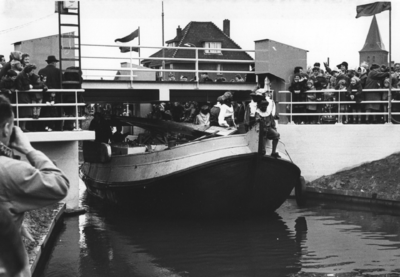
point(163, 51)
point(139, 45)
point(390, 69)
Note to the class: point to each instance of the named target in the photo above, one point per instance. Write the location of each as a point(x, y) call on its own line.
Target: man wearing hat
point(52, 73)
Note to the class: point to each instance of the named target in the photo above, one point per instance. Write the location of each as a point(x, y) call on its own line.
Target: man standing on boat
point(25, 186)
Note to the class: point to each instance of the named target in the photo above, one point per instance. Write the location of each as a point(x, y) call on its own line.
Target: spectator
point(226, 117)
point(2, 61)
point(189, 111)
point(320, 71)
point(171, 77)
point(16, 55)
point(177, 112)
point(25, 59)
point(342, 87)
point(215, 110)
point(53, 81)
point(343, 67)
point(118, 136)
point(311, 108)
point(52, 73)
point(7, 85)
point(203, 118)
point(375, 77)
point(184, 78)
point(38, 83)
point(23, 82)
point(355, 84)
point(251, 108)
point(385, 94)
point(16, 66)
point(204, 78)
point(24, 185)
point(363, 75)
point(297, 88)
point(239, 78)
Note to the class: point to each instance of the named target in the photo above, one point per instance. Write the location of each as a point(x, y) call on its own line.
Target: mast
point(163, 50)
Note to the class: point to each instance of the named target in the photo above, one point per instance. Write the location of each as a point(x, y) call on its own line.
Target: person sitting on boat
point(268, 126)
point(226, 116)
point(203, 118)
point(215, 110)
point(251, 108)
point(118, 136)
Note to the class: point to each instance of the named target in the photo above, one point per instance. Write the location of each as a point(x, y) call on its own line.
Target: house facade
point(202, 35)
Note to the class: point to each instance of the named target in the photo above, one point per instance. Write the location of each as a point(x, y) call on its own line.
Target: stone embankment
point(374, 182)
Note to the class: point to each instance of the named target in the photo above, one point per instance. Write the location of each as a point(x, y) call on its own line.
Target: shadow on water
point(316, 240)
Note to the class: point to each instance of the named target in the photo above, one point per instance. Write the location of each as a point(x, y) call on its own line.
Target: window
point(212, 45)
point(219, 69)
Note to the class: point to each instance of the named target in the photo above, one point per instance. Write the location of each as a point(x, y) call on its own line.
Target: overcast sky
point(324, 28)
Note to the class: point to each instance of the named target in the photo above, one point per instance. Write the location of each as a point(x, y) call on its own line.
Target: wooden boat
point(217, 175)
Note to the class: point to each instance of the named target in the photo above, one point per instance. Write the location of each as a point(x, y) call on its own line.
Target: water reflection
point(318, 240)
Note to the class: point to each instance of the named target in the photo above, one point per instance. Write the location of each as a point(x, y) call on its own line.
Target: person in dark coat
point(357, 96)
point(7, 85)
point(297, 88)
point(102, 130)
point(375, 77)
point(23, 82)
point(53, 81)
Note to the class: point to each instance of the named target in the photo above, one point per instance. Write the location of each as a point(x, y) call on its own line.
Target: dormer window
point(212, 45)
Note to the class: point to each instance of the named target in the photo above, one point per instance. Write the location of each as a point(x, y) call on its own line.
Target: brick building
point(204, 35)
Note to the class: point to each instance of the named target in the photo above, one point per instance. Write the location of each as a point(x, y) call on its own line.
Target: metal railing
point(76, 104)
point(337, 103)
point(196, 61)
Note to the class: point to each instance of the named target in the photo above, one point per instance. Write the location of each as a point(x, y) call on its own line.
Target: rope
point(23, 25)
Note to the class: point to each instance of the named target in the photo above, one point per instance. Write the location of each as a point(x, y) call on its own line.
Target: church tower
point(374, 49)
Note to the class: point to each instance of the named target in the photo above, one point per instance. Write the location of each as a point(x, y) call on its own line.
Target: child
point(38, 82)
point(312, 108)
point(342, 86)
point(268, 127)
point(355, 84)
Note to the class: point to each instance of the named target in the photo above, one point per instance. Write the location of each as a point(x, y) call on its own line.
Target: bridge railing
point(75, 104)
point(337, 102)
point(89, 70)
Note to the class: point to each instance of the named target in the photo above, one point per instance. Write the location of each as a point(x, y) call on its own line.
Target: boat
point(218, 173)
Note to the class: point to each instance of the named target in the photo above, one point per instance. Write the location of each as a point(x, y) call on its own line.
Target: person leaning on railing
point(357, 96)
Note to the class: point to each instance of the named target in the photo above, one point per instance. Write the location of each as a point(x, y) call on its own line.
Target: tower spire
point(374, 40)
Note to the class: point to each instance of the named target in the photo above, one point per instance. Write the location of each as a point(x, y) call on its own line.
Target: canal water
point(316, 240)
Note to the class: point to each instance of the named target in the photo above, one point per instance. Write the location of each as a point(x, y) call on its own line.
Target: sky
point(326, 28)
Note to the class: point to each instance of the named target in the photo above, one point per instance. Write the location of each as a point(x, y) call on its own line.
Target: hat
point(29, 68)
point(343, 63)
point(260, 92)
point(374, 66)
point(297, 69)
point(51, 59)
point(317, 64)
point(11, 73)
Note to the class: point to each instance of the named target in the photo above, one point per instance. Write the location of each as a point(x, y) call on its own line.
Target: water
point(317, 240)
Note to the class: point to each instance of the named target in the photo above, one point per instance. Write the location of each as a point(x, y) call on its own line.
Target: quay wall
point(320, 150)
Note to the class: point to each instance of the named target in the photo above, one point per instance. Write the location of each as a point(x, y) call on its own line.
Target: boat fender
point(300, 191)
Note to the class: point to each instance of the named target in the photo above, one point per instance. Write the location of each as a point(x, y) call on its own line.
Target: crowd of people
point(20, 74)
point(351, 85)
point(204, 78)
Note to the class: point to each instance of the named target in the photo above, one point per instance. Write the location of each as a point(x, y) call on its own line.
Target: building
point(277, 61)
point(374, 49)
point(204, 35)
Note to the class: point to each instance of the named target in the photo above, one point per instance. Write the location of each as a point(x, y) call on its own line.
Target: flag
point(125, 49)
point(130, 37)
point(373, 8)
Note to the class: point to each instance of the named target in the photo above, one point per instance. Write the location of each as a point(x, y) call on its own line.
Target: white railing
point(76, 104)
point(338, 103)
point(196, 61)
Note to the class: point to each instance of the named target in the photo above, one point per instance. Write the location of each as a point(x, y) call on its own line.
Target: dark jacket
point(358, 96)
point(53, 76)
point(375, 78)
point(7, 87)
point(298, 86)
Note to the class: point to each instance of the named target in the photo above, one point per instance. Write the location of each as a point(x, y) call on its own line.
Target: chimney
point(179, 32)
point(227, 27)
